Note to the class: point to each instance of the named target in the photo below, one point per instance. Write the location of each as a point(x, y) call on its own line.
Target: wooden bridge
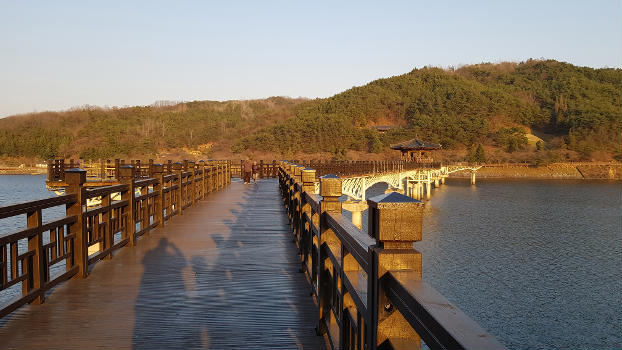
point(190, 259)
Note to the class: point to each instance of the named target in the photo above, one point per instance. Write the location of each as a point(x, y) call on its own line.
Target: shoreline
point(555, 171)
point(23, 171)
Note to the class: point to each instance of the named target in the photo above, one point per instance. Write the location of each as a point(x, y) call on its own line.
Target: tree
point(480, 155)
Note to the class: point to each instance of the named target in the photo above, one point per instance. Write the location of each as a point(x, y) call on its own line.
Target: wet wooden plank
point(223, 275)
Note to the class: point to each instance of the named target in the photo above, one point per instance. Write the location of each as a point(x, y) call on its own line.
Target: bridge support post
point(472, 177)
point(428, 189)
point(330, 190)
point(75, 179)
point(443, 179)
point(395, 222)
point(357, 209)
point(363, 188)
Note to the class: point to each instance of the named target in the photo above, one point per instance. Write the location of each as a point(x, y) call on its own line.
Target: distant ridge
point(568, 112)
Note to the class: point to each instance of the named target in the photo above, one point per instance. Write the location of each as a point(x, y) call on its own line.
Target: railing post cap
point(394, 217)
point(330, 186)
point(75, 176)
point(308, 175)
point(126, 171)
point(298, 170)
point(157, 168)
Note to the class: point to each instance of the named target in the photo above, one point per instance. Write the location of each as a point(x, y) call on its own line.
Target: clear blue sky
point(59, 54)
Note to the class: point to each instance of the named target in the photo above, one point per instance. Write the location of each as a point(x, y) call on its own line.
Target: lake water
point(536, 263)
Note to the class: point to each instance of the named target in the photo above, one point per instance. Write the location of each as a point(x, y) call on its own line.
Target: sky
point(55, 55)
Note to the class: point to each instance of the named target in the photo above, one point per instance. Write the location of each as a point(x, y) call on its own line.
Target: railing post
point(330, 190)
point(108, 236)
point(304, 244)
point(395, 222)
point(117, 166)
point(126, 176)
point(75, 185)
point(37, 269)
point(102, 169)
point(62, 170)
point(261, 170)
point(157, 171)
point(179, 199)
point(203, 185)
point(193, 189)
point(228, 172)
point(297, 212)
point(50, 173)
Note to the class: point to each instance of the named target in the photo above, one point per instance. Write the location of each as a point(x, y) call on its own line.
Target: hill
point(144, 131)
point(539, 111)
point(575, 113)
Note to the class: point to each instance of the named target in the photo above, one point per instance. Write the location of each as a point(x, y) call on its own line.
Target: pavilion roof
point(416, 144)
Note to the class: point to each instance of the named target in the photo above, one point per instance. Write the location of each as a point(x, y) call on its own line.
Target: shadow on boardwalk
point(242, 290)
point(223, 275)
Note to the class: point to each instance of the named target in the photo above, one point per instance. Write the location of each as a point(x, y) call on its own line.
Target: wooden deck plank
point(223, 275)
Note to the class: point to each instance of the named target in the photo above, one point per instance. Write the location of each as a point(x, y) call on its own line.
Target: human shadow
point(163, 310)
point(245, 290)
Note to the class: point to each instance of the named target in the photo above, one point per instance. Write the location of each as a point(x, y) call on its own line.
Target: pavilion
point(416, 150)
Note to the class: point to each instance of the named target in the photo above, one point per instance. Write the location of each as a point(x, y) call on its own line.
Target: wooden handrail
point(87, 235)
point(369, 285)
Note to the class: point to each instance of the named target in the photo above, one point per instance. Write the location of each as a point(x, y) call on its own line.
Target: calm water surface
point(536, 263)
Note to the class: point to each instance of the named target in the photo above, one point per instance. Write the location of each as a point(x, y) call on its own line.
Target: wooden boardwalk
point(223, 275)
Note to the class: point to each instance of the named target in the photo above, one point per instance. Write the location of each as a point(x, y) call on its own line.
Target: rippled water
point(23, 188)
point(536, 263)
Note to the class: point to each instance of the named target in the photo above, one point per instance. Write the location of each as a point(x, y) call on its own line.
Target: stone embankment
point(611, 171)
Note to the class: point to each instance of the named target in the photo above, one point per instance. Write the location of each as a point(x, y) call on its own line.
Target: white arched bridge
point(416, 183)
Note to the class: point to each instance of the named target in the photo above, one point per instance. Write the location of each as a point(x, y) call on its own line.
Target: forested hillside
point(575, 109)
point(535, 110)
point(93, 132)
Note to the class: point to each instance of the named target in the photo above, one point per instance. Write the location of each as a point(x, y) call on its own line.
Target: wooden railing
point(369, 286)
point(351, 168)
point(109, 171)
point(267, 169)
point(33, 257)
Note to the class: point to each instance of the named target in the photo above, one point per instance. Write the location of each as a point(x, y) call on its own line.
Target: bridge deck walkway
point(223, 275)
